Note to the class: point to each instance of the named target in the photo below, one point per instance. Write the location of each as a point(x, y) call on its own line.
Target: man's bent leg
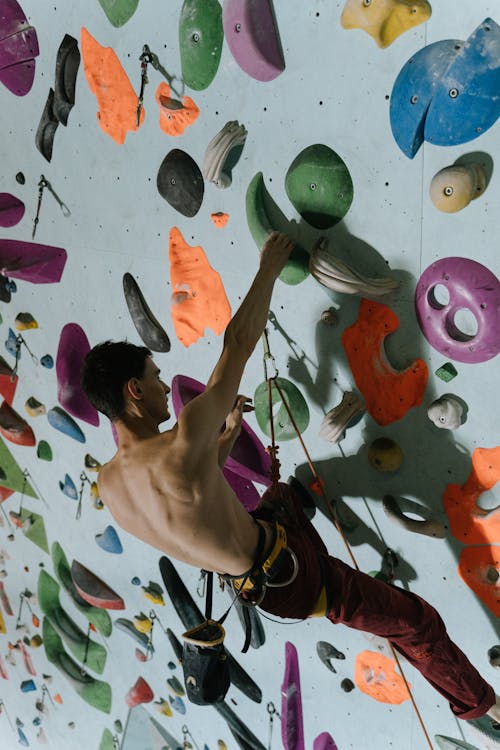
point(415, 629)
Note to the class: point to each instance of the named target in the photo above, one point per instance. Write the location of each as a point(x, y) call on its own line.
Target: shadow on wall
point(433, 458)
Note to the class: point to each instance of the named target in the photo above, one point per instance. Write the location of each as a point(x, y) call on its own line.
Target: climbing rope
point(319, 488)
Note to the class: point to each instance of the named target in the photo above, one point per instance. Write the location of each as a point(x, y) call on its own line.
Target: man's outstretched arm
point(202, 418)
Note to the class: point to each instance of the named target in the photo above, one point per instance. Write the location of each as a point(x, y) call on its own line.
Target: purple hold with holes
point(470, 287)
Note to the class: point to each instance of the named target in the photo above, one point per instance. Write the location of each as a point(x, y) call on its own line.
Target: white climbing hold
point(446, 413)
point(232, 134)
point(335, 422)
point(396, 510)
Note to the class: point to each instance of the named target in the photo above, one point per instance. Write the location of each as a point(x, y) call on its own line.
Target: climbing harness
point(318, 485)
point(42, 184)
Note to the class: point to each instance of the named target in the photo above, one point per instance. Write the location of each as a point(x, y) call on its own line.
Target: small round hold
point(347, 685)
point(329, 317)
point(136, 581)
point(171, 665)
point(71, 724)
point(20, 178)
point(118, 726)
point(47, 361)
point(453, 188)
point(385, 455)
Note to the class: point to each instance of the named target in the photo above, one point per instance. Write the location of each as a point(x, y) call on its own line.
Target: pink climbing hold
point(292, 722)
point(29, 261)
point(11, 210)
point(139, 693)
point(18, 48)
point(72, 350)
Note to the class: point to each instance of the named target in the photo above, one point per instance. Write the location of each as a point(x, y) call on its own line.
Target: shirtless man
point(168, 489)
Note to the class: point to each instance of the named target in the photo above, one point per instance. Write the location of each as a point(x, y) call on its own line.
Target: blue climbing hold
point(47, 361)
point(109, 541)
point(11, 344)
point(23, 740)
point(68, 488)
point(178, 704)
point(60, 420)
point(136, 581)
point(27, 686)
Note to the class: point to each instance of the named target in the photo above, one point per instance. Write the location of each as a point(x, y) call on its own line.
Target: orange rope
point(319, 484)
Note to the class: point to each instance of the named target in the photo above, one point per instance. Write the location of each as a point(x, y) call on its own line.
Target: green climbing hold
point(200, 40)
point(44, 451)
point(259, 208)
point(15, 479)
point(34, 529)
point(107, 741)
point(283, 427)
point(447, 372)
point(119, 11)
point(319, 185)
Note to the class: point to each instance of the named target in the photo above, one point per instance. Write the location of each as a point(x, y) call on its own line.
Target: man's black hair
point(106, 369)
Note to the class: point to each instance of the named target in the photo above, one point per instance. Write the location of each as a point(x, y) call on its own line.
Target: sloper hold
point(388, 394)
point(61, 421)
point(385, 20)
point(72, 350)
point(319, 186)
point(44, 451)
point(46, 131)
point(109, 541)
point(466, 102)
point(198, 299)
point(92, 691)
point(324, 741)
point(8, 381)
point(200, 41)
point(292, 722)
point(180, 182)
point(34, 408)
point(25, 321)
point(119, 12)
point(140, 692)
point(283, 427)
point(147, 326)
point(30, 261)
point(67, 64)
point(248, 458)
point(14, 428)
point(116, 97)
point(18, 48)
point(33, 527)
point(252, 36)
point(14, 479)
point(11, 210)
point(93, 590)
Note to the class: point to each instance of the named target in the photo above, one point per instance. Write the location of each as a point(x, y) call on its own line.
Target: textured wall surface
point(335, 90)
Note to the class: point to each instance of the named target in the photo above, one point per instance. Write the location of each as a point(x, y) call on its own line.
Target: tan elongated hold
point(335, 422)
point(396, 510)
point(453, 188)
point(446, 413)
point(339, 277)
point(232, 134)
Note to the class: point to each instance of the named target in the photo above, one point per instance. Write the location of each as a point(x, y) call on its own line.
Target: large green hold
point(319, 185)
point(34, 529)
point(283, 427)
point(200, 39)
point(92, 691)
point(14, 478)
point(259, 206)
point(119, 11)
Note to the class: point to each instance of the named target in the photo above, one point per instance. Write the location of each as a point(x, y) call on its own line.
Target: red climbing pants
point(359, 601)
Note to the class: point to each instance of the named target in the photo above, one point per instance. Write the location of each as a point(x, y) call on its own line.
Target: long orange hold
point(199, 299)
point(389, 394)
point(479, 567)
point(468, 522)
point(375, 675)
point(107, 79)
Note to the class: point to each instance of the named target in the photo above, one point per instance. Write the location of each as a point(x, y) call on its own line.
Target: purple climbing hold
point(18, 48)
point(253, 38)
point(243, 488)
point(11, 210)
point(292, 722)
point(324, 741)
point(72, 350)
point(248, 458)
point(29, 261)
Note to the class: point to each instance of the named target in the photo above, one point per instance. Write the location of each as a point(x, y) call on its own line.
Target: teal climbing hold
point(283, 427)
point(61, 421)
point(319, 185)
point(68, 488)
point(200, 39)
point(109, 541)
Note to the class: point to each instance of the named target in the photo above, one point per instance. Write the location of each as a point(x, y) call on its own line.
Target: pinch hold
point(338, 419)
point(429, 526)
point(446, 413)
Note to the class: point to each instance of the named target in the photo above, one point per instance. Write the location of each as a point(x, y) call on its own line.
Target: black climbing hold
point(347, 685)
point(180, 182)
point(20, 178)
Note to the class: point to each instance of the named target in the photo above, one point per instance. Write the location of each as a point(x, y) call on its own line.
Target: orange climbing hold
point(199, 299)
point(468, 522)
point(479, 567)
point(107, 79)
point(5, 493)
point(220, 219)
point(389, 394)
point(375, 675)
point(175, 116)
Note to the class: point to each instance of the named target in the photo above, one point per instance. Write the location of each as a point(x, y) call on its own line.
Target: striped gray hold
point(149, 329)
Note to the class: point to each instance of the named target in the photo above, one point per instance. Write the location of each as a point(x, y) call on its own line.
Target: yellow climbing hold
point(142, 623)
point(163, 707)
point(24, 321)
point(3, 629)
point(34, 408)
point(385, 20)
point(154, 593)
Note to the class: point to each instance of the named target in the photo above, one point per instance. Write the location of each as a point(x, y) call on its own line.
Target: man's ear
point(134, 389)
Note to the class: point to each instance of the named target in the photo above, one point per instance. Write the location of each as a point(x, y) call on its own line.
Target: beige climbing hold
point(24, 321)
point(91, 463)
point(336, 421)
point(446, 413)
point(385, 455)
point(396, 510)
point(34, 408)
point(232, 134)
point(453, 188)
point(329, 317)
point(385, 20)
point(339, 277)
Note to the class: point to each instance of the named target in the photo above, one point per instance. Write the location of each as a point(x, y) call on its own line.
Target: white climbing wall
point(334, 90)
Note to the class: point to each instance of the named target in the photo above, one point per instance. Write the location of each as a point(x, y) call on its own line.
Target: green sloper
point(319, 185)
point(34, 530)
point(447, 743)
point(200, 40)
point(258, 205)
point(119, 11)
point(14, 479)
point(44, 451)
point(283, 428)
point(76, 639)
point(99, 618)
point(92, 691)
point(107, 741)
